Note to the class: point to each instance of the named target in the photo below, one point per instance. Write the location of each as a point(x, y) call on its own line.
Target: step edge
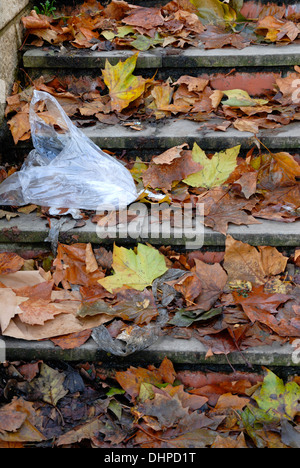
point(27, 229)
point(252, 56)
point(178, 350)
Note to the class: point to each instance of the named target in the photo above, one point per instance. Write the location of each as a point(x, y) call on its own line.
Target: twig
point(32, 83)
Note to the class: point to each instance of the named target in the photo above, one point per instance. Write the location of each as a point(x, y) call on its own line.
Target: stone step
point(163, 135)
point(179, 351)
point(168, 62)
point(159, 136)
point(145, 3)
point(30, 231)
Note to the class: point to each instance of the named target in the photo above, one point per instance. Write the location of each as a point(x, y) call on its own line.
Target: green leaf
point(144, 43)
point(123, 86)
point(214, 11)
point(125, 31)
point(115, 391)
point(146, 392)
point(50, 385)
point(116, 408)
point(240, 98)
point(185, 318)
point(277, 399)
point(108, 35)
point(216, 170)
point(135, 270)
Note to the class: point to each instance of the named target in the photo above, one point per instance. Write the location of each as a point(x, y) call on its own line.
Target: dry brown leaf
point(10, 263)
point(244, 262)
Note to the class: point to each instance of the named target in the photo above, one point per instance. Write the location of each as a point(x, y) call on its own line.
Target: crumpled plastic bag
point(66, 169)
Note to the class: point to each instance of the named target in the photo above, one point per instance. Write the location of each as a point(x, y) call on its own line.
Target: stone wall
point(11, 35)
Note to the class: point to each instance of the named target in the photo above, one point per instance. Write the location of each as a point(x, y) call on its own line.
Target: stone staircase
point(255, 66)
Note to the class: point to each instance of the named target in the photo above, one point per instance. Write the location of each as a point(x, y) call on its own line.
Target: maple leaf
point(76, 264)
point(215, 38)
point(261, 307)
point(147, 18)
point(73, 340)
point(37, 311)
point(222, 208)
point(171, 166)
point(86, 431)
point(10, 263)
point(130, 305)
point(20, 422)
point(35, 21)
point(276, 400)
point(20, 127)
point(162, 95)
point(277, 29)
point(216, 170)
point(144, 43)
point(240, 98)
point(123, 86)
point(10, 419)
point(8, 215)
point(135, 270)
point(244, 262)
point(214, 10)
point(213, 279)
point(230, 443)
point(132, 379)
point(276, 169)
point(50, 385)
point(280, 204)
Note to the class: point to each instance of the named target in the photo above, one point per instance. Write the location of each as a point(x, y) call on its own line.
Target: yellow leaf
point(135, 270)
point(216, 170)
point(214, 11)
point(240, 98)
point(123, 86)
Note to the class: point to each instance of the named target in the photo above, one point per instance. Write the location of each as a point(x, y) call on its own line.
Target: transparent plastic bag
point(66, 169)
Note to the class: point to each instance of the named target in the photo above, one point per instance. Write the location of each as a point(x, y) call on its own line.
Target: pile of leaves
point(120, 97)
point(209, 23)
point(224, 188)
point(87, 406)
point(126, 299)
point(231, 189)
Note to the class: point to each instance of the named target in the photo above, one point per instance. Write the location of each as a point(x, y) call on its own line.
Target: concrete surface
point(164, 134)
point(168, 133)
point(177, 350)
point(9, 9)
point(29, 230)
point(11, 34)
point(253, 56)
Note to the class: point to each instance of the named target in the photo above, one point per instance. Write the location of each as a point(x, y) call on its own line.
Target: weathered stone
point(9, 9)
point(160, 136)
point(28, 230)
point(10, 40)
point(253, 56)
point(165, 135)
point(177, 350)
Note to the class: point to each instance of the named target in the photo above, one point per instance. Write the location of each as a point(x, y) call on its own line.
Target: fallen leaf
point(135, 270)
point(50, 385)
point(123, 86)
point(216, 170)
point(244, 262)
point(10, 263)
point(72, 341)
